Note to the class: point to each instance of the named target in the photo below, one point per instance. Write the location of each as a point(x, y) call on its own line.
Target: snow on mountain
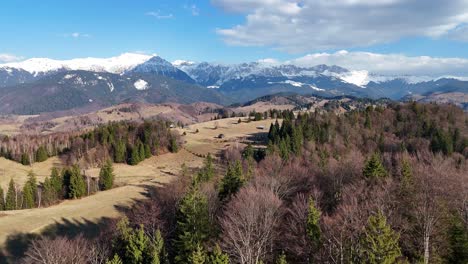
point(141, 85)
point(119, 64)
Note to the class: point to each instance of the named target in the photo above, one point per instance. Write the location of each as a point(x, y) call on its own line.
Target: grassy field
point(132, 179)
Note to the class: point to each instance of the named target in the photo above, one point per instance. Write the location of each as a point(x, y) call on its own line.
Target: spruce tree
point(56, 181)
point(313, 224)
point(207, 172)
point(193, 224)
point(458, 240)
point(29, 192)
point(282, 259)
point(119, 151)
point(115, 260)
point(147, 151)
point(217, 256)
point(173, 147)
point(198, 256)
point(25, 159)
point(135, 156)
point(77, 188)
point(373, 168)
point(106, 176)
point(10, 199)
point(232, 182)
point(379, 243)
point(48, 193)
point(41, 154)
point(2, 199)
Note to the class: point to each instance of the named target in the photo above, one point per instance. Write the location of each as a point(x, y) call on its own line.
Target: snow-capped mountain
point(159, 66)
point(119, 64)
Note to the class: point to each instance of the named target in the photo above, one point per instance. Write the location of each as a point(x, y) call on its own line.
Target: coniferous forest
point(385, 184)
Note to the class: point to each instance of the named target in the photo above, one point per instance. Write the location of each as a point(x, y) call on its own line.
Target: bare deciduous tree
point(249, 224)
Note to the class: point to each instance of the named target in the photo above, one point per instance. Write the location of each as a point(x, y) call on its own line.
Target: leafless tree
point(57, 251)
point(249, 224)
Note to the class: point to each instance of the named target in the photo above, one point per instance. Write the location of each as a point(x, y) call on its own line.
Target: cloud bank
point(313, 25)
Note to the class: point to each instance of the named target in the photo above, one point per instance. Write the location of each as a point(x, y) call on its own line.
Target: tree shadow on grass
point(16, 244)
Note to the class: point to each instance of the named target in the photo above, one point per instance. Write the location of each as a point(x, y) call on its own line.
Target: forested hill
point(380, 185)
point(123, 142)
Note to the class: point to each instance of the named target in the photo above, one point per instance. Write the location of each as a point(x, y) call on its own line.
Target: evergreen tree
point(48, 192)
point(119, 151)
point(373, 168)
point(282, 259)
point(141, 151)
point(217, 256)
point(458, 240)
point(208, 171)
point(77, 188)
point(379, 243)
point(29, 191)
point(56, 181)
point(232, 182)
point(135, 156)
point(10, 199)
point(193, 224)
point(313, 224)
point(25, 159)
point(2, 199)
point(368, 121)
point(106, 176)
point(156, 253)
point(147, 151)
point(406, 175)
point(115, 260)
point(41, 154)
point(198, 256)
point(173, 147)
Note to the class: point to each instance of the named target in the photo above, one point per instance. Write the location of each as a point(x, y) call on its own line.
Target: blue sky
point(232, 30)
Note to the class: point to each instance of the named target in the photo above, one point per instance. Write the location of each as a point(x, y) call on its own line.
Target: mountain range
point(44, 85)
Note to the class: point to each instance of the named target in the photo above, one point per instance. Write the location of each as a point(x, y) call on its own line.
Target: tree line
point(68, 183)
point(122, 142)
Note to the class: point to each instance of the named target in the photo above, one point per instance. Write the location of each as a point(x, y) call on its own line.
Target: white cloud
point(77, 35)
point(158, 15)
point(5, 57)
point(388, 64)
point(308, 25)
point(193, 9)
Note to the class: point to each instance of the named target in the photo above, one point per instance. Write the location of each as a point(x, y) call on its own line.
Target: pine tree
point(458, 240)
point(282, 259)
point(115, 260)
point(198, 256)
point(173, 147)
point(135, 156)
point(77, 183)
point(147, 151)
point(217, 256)
point(207, 172)
point(29, 191)
point(379, 243)
point(193, 224)
point(373, 168)
point(48, 192)
point(10, 200)
point(406, 175)
point(313, 224)
point(41, 154)
point(2, 199)
point(232, 182)
point(25, 159)
point(56, 181)
point(141, 151)
point(106, 176)
point(119, 151)
point(156, 253)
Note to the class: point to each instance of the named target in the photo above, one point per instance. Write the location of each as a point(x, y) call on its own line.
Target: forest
point(122, 142)
point(385, 184)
